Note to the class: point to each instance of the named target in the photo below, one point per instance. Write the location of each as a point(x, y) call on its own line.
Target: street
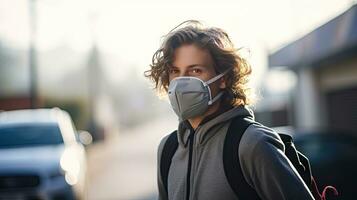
point(124, 166)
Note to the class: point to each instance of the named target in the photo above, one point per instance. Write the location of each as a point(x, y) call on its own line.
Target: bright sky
point(130, 31)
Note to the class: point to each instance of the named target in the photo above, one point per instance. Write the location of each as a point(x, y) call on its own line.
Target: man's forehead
point(188, 55)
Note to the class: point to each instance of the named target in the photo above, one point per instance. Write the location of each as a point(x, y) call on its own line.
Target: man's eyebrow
point(195, 65)
point(189, 66)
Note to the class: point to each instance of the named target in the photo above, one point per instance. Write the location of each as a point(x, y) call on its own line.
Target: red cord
point(329, 188)
point(316, 191)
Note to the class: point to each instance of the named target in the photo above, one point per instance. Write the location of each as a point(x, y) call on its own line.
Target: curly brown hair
point(222, 50)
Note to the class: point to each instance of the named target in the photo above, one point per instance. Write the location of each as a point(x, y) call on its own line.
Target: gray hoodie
point(261, 151)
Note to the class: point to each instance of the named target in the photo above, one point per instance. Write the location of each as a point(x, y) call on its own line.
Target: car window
point(30, 135)
point(327, 148)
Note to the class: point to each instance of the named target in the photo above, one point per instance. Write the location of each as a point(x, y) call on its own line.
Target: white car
point(41, 157)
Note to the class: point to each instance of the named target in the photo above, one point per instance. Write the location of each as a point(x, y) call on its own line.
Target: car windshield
point(29, 135)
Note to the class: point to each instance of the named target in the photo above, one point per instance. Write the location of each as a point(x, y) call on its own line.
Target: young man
point(205, 79)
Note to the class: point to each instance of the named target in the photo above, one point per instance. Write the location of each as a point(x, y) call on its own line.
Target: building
point(325, 62)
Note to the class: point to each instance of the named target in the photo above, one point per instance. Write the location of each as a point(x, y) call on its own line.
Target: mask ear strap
point(215, 98)
point(214, 79)
point(217, 77)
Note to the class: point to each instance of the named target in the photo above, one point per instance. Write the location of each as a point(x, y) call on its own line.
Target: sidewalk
point(124, 167)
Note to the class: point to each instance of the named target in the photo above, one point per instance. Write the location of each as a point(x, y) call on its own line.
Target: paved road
point(124, 167)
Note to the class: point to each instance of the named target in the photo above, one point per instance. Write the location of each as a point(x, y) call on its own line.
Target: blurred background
point(87, 58)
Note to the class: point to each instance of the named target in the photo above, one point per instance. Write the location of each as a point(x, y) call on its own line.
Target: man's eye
point(173, 71)
point(196, 71)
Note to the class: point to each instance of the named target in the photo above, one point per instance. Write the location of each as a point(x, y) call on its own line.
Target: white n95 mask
point(191, 96)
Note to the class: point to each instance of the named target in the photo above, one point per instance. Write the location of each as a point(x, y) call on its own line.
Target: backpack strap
point(231, 162)
point(300, 162)
point(302, 165)
point(168, 152)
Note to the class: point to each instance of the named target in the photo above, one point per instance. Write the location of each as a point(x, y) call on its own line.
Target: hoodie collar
point(203, 132)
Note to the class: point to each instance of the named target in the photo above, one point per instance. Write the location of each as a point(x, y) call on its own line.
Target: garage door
point(342, 109)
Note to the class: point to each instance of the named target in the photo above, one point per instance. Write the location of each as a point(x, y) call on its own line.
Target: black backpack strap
point(231, 162)
point(168, 152)
point(300, 162)
point(307, 175)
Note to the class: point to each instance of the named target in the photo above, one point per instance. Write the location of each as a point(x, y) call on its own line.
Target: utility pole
point(33, 53)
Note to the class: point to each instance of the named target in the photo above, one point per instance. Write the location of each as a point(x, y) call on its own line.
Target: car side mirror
point(85, 137)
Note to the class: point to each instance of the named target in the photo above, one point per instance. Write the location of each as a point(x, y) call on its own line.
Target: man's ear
point(222, 83)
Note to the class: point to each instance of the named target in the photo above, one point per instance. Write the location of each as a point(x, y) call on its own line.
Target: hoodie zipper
point(188, 181)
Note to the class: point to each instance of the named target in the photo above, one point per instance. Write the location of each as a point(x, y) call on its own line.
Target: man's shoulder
point(259, 132)
point(259, 137)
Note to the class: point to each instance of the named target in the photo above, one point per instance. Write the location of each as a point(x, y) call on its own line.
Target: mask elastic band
point(217, 77)
point(215, 98)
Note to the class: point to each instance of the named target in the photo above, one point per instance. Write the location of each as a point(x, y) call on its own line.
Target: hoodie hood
point(204, 131)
